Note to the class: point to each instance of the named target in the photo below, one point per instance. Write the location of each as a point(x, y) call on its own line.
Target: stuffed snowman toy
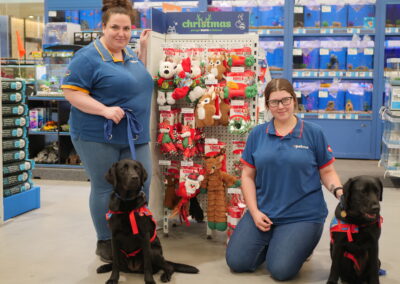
point(165, 82)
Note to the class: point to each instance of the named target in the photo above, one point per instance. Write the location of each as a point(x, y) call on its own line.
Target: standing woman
point(284, 161)
point(107, 82)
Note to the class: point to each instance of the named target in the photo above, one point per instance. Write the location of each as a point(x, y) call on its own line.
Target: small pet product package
point(332, 55)
point(309, 95)
point(271, 14)
point(274, 54)
point(360, 54)
point(306, 54)
point(333, 16)
point(331, 98)
point(11, 144)
point(12, 97)
point(359, 12)
point(17, 167)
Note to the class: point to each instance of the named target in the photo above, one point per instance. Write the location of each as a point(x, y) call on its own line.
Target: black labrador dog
point(135, 245)
point(355, 232)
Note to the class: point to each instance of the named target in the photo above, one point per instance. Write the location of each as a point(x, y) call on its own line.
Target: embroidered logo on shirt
point(301, 147)
point(133, 61)
point(67, 73)
point(330, 149)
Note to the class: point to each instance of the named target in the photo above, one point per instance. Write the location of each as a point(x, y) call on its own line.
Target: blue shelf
point(332, 31)
point(59, 166)
point(317, 74)
point(46, 98)
point(392, 31)
point(341, 116)
point(25, 201)
point(268, 32)
point(34, 132)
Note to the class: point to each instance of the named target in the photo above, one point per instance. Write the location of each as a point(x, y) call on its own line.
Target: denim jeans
point(97, 158)
point(284, 248)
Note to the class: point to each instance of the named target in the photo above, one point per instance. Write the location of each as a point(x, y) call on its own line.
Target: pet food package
point(332, 55)
point(331, 98)
point(14, 179)
point(361, 12)
point(17, 188)
point(11, 85)
point(360, 54)
point(11, 144)
point(334, 16)
point(60, 33)
point(13, 156)
point(14, 109)
point(14, 132)
point(274, 54)
point(9, 122)
point(17, 167)
point(271, 14)
point(12, 97)
point(306, 54)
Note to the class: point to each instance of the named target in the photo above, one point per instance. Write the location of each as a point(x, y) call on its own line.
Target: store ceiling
point(22, 10)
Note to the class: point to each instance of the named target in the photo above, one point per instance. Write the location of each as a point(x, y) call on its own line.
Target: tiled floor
point(56, 243)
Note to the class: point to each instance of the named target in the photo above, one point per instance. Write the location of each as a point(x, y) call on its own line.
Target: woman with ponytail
point(107, 84)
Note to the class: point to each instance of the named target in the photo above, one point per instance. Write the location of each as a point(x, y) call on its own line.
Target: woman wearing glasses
point(285, 161)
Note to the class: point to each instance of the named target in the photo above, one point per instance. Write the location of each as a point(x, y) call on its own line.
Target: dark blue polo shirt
point(288, 185)
point(125, 83)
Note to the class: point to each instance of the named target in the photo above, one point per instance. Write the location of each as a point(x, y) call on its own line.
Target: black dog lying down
point(355, 232)
point(136, 247)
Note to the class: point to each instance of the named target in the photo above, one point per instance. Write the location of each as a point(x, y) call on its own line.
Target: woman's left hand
point(144, 37)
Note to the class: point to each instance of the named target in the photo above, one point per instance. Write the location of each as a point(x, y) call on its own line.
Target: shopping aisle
point(56, 243)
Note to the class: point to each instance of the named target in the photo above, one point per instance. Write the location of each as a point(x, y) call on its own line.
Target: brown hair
point(111, 7)
point(279, 84)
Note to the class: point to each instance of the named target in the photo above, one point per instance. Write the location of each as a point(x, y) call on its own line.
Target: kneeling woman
point(285, 161)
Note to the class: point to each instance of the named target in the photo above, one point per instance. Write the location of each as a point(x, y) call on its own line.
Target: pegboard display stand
point(156, 44)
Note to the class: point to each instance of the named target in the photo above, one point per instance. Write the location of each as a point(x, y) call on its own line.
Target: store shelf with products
point(19, 194)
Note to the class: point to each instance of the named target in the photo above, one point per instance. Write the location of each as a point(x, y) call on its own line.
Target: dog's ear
point(379, 187)
point(143, 174)
point(111, 175)
point(347, 193)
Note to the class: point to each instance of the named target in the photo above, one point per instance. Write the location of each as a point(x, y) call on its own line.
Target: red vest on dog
point(135, 230)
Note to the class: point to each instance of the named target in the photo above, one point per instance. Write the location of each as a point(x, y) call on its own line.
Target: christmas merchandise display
point(207, 97)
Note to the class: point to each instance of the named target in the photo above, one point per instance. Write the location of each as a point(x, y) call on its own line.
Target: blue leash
point(134, 128)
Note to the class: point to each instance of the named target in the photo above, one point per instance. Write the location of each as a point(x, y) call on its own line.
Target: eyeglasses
point(285, 101)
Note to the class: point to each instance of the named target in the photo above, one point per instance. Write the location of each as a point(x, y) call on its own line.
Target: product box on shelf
point(332, 55)
point(358, 15)
point(307, 16)
point(358, 97)
point(274, 54)
point(72, 16)
point(270, 15)
point(309, 95)
point(331, 98)
point(360, 55)
point(59, 33)
point(333, 16)
point(90, 19)
point(306, 54)
point(254, 13)
point(392, 50)
point(393, 15)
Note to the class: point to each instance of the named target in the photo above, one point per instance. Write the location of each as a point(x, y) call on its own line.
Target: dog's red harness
point(342, 227)
point(142, 211)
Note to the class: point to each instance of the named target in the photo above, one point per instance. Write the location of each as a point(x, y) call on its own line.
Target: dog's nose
point(375, 208)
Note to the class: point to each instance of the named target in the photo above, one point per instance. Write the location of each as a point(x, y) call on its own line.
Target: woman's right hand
point(263, 223)
point(114, 113)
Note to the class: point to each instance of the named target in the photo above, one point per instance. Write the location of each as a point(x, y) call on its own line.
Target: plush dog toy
point(171, 183)
point(183, 79)
point(215, 184)
point(165, 82)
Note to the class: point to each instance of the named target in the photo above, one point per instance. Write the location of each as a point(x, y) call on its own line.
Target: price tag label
point(238, 69)
point(164, 108)
point(324, 31)
point(164, 162)
point(211, 141)
point(187, 110)
point(350, 30)
point(348, 74)
point(322, 94)
point(307, 74)
point(326, 9)
point(332, 73)
point(352, 51)
point(332, 116)
point(298, 94)
point(295, 74)
point(361, 74)
point(368, 51)
point(210, 81)
point(297, 51)
point(187, 163)
point(324, 51)
point(298, 9)
point(237, 102)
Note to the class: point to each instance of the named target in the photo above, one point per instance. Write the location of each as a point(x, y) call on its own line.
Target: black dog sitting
point(355, 232)
point(136, 247)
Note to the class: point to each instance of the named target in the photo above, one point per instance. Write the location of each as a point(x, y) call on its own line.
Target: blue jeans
point(97, 158)
point(284, 248)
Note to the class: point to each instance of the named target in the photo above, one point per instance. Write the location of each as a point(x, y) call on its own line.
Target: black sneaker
point(104, 250)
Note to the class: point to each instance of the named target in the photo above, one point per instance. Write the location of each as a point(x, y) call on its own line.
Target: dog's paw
point(111, 281)
point(166, 277)
point(331, 282)
point(150, 282)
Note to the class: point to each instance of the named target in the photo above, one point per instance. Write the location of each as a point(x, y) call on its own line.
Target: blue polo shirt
point(288, 185)
point(124, 83)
